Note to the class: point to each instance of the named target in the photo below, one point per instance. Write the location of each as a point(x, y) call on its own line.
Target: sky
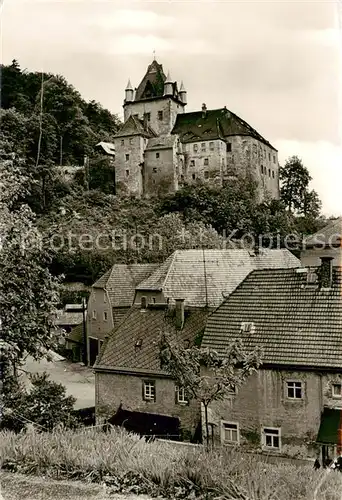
point(277, 64)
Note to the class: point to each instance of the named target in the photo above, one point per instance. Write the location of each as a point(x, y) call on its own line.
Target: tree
point(205, 375)
point(44, 404)
point(28, 292)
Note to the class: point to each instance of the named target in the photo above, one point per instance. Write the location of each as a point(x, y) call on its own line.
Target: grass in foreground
point(127, 463)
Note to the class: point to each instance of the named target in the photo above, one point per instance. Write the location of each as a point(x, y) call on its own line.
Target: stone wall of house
point(159, 170)
point(262, 402)
point(113, 389)
point(311, 257)
point(162, 125)
point(100, 319)
point(129, 158)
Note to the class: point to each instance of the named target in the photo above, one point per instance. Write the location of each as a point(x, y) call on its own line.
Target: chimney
point(204, 110)
point(326, 272)
point(179, 318)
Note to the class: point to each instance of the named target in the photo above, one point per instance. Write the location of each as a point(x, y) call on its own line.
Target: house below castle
point(160, 147)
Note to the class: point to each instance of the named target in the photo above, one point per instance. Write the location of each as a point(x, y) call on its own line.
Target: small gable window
point(149, 390)
point(160, 115)
point(336, 391)
point(229, 147)
point(157, 155)
point(294, 390)
point(211, 146)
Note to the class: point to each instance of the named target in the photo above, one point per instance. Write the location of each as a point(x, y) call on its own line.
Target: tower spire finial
point(154, 54)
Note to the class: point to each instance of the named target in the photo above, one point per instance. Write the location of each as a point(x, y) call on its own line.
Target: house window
point(211, 146)
point(229, 147)
point(294, 390)
point(193, 176)
point(157, 155)
point(195, 148)
point(127, 173)
point(230, 433)
point(160, 115)
point(203, 146)
point(149, 390)
point(180, 395)
point(105, 316)
point(94, 314)
point(127, 157)
point(271, 438)
point(336, 391)
point(122, 142)
point(154, 170)
point(206, 174)
point(192, 163)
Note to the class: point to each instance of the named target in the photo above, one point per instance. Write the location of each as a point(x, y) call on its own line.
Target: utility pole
point(85, 339)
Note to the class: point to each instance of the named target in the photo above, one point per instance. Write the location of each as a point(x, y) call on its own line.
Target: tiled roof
point(205, 277)
point(134, 126)
point(120, 351)
point(76, 334)
point(108, 147)
point(68, 318)
point(213, 124)
point(121, 281)
point(152, 85)
point(163, 142)
point(329, 235)
point(295, 323)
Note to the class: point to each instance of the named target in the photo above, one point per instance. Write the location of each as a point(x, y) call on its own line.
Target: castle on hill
point(160, 146)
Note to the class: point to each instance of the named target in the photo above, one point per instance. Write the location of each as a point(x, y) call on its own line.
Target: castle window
point(131, 141)
point(273, 174)
point(157, 155)
point(271, 438)
point(211, 146)
point(154, 181)
point(269, 172)
point(154, 170)
point(229, 147)
point(160, 115)
point(273, 159)
point(105, 316)
point(206, 161)
point(127, 173)
point(182, 177)
point(206, 174)
point(122, 142)
point(193, 176)
point(294, 390)
point(203, 146)
point(269, 156)
point(127, 157)
point(192, 163)
point(262, 169)
point(195, 148)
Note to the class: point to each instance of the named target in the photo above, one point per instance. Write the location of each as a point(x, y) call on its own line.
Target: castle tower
point(183, 94)
point(168, 85)
point(129, 92)
point(156, 100)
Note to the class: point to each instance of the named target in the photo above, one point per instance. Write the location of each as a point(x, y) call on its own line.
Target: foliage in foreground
point(127, 463)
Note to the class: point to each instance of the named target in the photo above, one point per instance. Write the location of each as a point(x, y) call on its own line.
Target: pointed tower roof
point(168, 78)
point(152, 85)
point(129, 85)
point(182, 88)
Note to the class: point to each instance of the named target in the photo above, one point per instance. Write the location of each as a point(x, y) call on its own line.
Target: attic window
point(229, 147)
point(247, 327)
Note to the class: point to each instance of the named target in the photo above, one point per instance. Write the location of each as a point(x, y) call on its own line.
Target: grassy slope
point(20, 487)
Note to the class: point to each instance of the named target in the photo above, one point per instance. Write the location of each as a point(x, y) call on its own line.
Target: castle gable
point(135, 126)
